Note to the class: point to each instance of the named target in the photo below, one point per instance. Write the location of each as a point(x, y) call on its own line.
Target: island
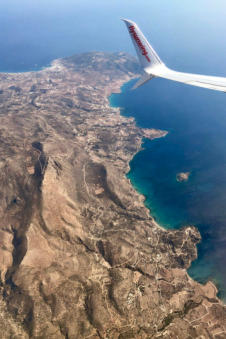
point(80, 254)
point(183, 176)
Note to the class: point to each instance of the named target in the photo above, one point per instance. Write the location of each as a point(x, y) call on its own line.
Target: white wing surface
point(154, 67)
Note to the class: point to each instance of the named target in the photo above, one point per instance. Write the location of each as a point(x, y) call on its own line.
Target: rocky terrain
point(80, 255)
point(183, 176)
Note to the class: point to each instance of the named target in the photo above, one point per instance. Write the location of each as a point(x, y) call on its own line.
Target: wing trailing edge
point(145, 78)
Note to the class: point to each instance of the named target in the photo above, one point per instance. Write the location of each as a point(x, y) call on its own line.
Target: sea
point(190, 37)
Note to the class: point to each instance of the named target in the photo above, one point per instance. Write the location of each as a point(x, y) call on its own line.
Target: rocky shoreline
point(183, 176)
point(80, 255)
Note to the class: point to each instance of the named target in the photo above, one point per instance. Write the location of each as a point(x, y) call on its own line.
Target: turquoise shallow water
point(196, 142)
point(189, 36)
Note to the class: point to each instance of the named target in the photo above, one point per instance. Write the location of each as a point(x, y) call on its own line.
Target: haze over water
point(188, 37)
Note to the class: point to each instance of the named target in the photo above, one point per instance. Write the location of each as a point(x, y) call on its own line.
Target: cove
point(196, 121)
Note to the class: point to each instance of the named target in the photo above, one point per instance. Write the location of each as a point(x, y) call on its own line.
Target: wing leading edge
point(154, 67)
point(211, 82)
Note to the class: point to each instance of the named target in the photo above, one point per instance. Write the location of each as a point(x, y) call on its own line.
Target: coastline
point(124, 87)
point(89, 237)
point(53, 65)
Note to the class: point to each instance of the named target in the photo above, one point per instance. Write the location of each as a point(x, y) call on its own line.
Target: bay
point(189, 36)
point(196, 143)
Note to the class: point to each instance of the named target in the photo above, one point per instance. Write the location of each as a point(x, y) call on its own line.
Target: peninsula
point(80, 255)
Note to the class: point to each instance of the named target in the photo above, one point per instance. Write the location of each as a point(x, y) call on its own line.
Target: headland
point(80, 255)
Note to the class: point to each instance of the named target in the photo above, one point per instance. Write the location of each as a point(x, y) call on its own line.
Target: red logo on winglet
point(139, 42)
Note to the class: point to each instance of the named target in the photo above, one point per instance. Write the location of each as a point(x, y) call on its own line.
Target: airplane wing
point(154, 67)
point(211, 82)
point(145, 78)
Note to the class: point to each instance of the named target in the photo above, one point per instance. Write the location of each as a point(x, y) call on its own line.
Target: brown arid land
point(80, 255)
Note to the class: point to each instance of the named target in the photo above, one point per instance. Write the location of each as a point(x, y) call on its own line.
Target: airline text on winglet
point(139, 43)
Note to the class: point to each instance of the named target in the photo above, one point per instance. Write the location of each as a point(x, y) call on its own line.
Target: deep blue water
point(189, 36)
point(196, 121)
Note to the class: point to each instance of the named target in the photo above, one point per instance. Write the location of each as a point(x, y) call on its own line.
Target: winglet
point(128, 22)
point(146, 54)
